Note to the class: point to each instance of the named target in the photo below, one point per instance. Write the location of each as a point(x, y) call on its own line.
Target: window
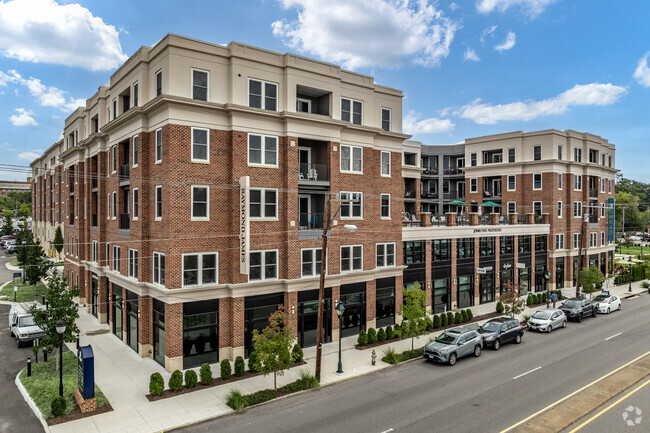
point(609, 161)
point(602, 238)
point(136, 150)
point(511, 155)
point(200, 85)
point(473, 185)
point(159, 268)
point(465, 248)
point(136, 203)
point(200, 202)
point(576, 241)
point(159, 199)
point(263, 203)
point(577, 209)
point(351, 258)
point(385, 163)
point(603, 184)
point(114, 204)
point(609, 186)
point(351, 209)
point(524, 244)
point(593, 239)
point(577, 154)
point(113, 160)
point(385, 205)
point(262, 94)
point(385, 255)
point(559, 152)
point(472, 159)
point(200, 144)
point(559, 181)
point(385, 119)
point(159, 83)
point(537, 207)
point(200, 269)
point(263, 265)
point(512, 208)
point(414, 251)
point(114, 108)
point(108, 206)
point(602, 210)
point(135, 94)
point(116, 258)
point(537, 153)
point(577, 182)
point(486, 247)
point(512, 182)
point(351, 159)
point(159, 145)
point(559, 209)
point(133, 263)
point(537, 181)
point(559, 241)
point(507, 245)
point(108, 252)
point(352, 111)
point(303, 105)
point(311, 261)
point(94, 251)
point(262, 150)
point(603, 159)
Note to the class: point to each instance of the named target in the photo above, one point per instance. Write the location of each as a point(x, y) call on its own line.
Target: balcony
point(125, 174)
point(429, 195)
point(462, 220)
point(314, 174)
point(409, 194)
point(94, 220)
point(453, 170)
point(71, 188)
point(94, 182)
point(453, 196)
point(593, 193)
point(593, 218)
point(492, 193)
point(432, 171)
point(125, 221)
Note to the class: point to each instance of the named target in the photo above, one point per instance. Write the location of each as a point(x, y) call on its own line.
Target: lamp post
point(25, 259)
point(339, 311)
point(629, 288)
point(547, 276)
point(60, 329)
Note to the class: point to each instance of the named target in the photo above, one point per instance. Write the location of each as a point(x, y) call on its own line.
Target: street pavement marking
point(528, 372)
point(608, 408)
point(615, 335)
point(386, 431)
point(572, 394)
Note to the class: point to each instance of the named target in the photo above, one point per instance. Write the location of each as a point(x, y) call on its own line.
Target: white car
point(607, 303)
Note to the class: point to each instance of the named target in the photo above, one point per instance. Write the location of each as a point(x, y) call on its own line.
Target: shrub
point(463, 315)
point(58, 406)
point(190, 378)
point(535, 299)
point(381, 335)
point(226, 369)
point(428, 324)
point(240, 367)
point(529, 300)
point(306, 381)
point(389, 333)
point(410, 354)
point(526, 318)
point(259, 397)
point(252, 360)
point(296, 353)
point(458, 318)
point(205, 374)
point(543, 297)
point(444, 319)
point(156, 384)
point(500, 307)
point(470, 314)
point(176, 380)
point(390, 356)
point(236, 401)
point(450, 317)
point(397, 332)
point(436, 321)
point(645, 284)
point(372, 336)
point(363, 338)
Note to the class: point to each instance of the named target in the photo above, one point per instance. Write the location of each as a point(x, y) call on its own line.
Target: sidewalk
point(123, 376)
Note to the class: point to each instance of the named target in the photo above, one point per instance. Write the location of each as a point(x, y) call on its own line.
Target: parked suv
point(576, 308)
point(453, 344)
point(501, 330)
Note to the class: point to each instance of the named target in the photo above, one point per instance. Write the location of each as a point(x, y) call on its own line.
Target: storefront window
point(308, 317)
point(524, 243)
point(486, 288)
point(524, 281)
point(413, 252)
point(441, 295)
point(385, 301)
point(465, 291)
point(200, 333)
point(506, 281)
point(257, 310)
point(487, 247)
point(441, 250)
point(117, 311)
point(159, 332)
point(465, 249)
point(132, 320)
point(559, 275)
point(353, 297)
point(507, 245)
point(540, 243)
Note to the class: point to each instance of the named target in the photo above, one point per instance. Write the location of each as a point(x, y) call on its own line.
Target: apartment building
point(47, 198)
point(7, 186)
point(193, 190)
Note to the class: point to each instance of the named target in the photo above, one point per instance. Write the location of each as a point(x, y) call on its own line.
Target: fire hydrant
point(373, 356)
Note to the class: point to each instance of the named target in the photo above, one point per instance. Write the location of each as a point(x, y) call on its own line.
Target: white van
point(21, 323)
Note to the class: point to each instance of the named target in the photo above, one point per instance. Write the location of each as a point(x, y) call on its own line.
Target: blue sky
point(467, 67)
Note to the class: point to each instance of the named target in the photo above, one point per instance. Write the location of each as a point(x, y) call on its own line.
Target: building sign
point(86, 372)
point(487, 230)
point(481, 271)
point(507, 265)
point(611, 213)
point(244, 224)
point(521, 266)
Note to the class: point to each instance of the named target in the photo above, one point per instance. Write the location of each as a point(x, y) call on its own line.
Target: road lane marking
point(608, 408)
point(615, 335)
point(386, 431)
point(525, 420)
point(528, 372)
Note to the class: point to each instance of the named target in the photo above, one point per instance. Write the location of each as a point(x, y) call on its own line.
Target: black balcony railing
point(94, 220)
point(462, 220)
point(593, 192)
point(491, 193)
point(453, 170)
point(593, 218)
point(94, 182)
point(484, 220)
point(310, 221)
point(71, 188)
point(521, 219)
point(431, 171)
point(538, 219)
point(125, 172)
point(314, 172)
point(125, 221)
point(429, 195)
point(409, 194)
point(71, 219)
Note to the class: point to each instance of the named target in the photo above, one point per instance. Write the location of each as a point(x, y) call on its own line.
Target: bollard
point(46, 305)
point(34, 344)
point(373, 356)
point(44, 356)
point(43, 300)
point(29, 367)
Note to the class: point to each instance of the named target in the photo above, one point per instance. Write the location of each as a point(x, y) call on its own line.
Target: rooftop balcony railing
point(125, 221)
point(310, 221)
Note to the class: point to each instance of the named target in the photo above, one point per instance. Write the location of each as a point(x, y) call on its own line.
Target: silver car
point(453, 344)
point(547, 320)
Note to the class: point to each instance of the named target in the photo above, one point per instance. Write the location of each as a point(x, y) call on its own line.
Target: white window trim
point(351, 205)
point(385, 244)
point(602, 210)
point(113, 160)
point(603, 186)
point(263, 141)
point(508, 182)
point(541, 180)
point(313, 262)
point(560, 209)
point(95, 251)
point(200, 269)
point(575, 207)
point(304, 101)
point(381, 118)
point(541, 206)
point(381, 205)
point(116, 258)
point(155, 201)
point(108, 206)
point(351, 170)
point(560, 182)
point(508, 153)
point(263, 265)
point(207, 90)
point(200, 218)
point(133, 92)
point(508, 207)
point(575, 181)
point(155, 82)
point(576, 237)
point(114, 205)
point(263, 204)
point(557, 243)
point(131, 251)
point(134, 162)
point(381, 163)
point(352, 101)
point(263, 95)
point(153, 268)
point(200, 161)
point(475, 189)
point(133, 206)
point(603, 239)
point(540, 152)
point(593, 239)
point(155, 147)
point(351, 258)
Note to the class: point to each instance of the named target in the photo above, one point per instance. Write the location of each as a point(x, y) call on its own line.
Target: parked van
point(21, 323)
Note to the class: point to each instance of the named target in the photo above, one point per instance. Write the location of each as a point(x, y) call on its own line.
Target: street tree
point(8, 227)
point(37, 264)
point(273, 346)
point(58, 241)
point(591, 279)
point(512, 304)
point(413, 309)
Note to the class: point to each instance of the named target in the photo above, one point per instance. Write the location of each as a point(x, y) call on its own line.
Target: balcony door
point(496, 187)
point(304, 161)
point(304, 211)
point(460, 189)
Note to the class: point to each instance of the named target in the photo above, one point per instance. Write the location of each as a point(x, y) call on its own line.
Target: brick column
point(173, 337)
point(103, 300)
point(454, 273)
point(477, 277)
point(399, 296)
point(530, 218)
point(450, 219)
point(371, 304)
point(237, 327)
point(553, 270)
point(494, 219)
point(425, 219)
point(513, 219)
point(225, 328)
point(473, 219)
point(145, 326)
point(497, 265)
point(336, 295)
point(124, 316)
point(515, 274)
point(291, 311)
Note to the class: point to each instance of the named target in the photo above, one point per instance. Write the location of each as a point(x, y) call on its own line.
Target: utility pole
point(583, 230)
point(623, 229)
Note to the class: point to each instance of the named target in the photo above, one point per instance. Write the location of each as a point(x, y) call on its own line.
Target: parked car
point(501, 330)
point(9, 243)
point(547, 320)
point(4, 239)
point(577, 308)
point(21, 323)
point(607, 303)
point(453, 344)
point(11, 249)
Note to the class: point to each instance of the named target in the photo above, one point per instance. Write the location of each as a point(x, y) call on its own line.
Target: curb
point(31, 403)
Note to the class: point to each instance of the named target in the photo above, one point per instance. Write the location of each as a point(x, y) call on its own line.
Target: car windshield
point(601, 298)
point(491, 326)
point(26, 321)
point(572, 304)
point(542, 315)
point(445, 338)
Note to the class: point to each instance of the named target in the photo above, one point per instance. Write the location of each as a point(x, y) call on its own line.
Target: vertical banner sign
point(86, 372)
point(244, 224)
point(610, 219)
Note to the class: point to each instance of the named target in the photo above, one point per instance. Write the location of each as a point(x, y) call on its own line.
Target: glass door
point(304, 162)
point(117, 315)
point(304, 210)
point(94, 297)
point(308, 323)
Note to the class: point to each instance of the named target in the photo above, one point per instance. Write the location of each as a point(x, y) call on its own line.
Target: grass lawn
point(632, 250)
point(14, 262)
point(43, 385)
point(25, 291)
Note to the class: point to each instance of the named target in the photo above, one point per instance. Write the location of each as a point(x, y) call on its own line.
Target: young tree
point(61, 307)
point(512, 304)
point(273, 346)
point(591, 278)
point(8, 227)
point(37, 263)
point(58, 241)
point(413, 309)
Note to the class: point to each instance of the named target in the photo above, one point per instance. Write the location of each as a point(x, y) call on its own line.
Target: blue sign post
point(86, 372)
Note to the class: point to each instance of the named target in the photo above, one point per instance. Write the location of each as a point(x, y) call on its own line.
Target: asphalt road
point(15, 414)
point(487, 394)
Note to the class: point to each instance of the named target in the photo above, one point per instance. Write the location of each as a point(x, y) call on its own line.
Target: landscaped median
point(25, 293)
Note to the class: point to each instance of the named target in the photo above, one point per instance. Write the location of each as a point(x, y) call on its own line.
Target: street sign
point(86, 372)
point(18, 275)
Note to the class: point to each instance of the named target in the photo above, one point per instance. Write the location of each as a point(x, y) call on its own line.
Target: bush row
point(392, 357)
point(536, 298)
point(238, 401)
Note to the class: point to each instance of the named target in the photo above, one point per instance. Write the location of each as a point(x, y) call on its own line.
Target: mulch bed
point(76, 414)
point(215, 382)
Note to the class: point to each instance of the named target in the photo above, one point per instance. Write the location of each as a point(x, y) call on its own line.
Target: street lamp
point(60, 329)
point(547, 276)
point(24, 259)
point(629, 289)
point(339, 311)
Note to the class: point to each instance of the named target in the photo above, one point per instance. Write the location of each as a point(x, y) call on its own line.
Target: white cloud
point(588, 94)
point(46, 96)
point(23, 118)
point(531, 7)
point(642, 72)
point(28, 156)
point(368, 32)
point(487, 32)
point(414, 124)
point(43, 31)
point(510, 41)
point(470, 54)
point(453, 6)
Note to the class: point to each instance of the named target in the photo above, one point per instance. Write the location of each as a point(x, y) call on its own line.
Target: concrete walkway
point(124, 378)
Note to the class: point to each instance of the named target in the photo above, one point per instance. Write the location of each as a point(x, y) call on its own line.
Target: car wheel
point(620, 306)
point(477, 351)
point(607, 310)
point(564, 324)
point(518, 339)
point(18, 343)
point(579, 318)
point(549, 329)
point(496, 345)
point(594, 312)
point(452, 359)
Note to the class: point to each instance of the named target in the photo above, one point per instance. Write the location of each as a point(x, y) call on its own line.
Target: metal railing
point(593, 218)
point(429, 195)
point(462, 220)
point(94, 182)
point(593, 192)
point(125, 172)
point(538, 219)
point(310, 221)
point(521, 219)
point(125, 221)
point(491, 193)
point(409, 194)
point(484, 220)
point(94, 220)
point(453, 170)
point(431, 171)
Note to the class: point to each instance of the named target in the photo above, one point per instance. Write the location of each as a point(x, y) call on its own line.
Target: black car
point(501, 330)
point(577, 308)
